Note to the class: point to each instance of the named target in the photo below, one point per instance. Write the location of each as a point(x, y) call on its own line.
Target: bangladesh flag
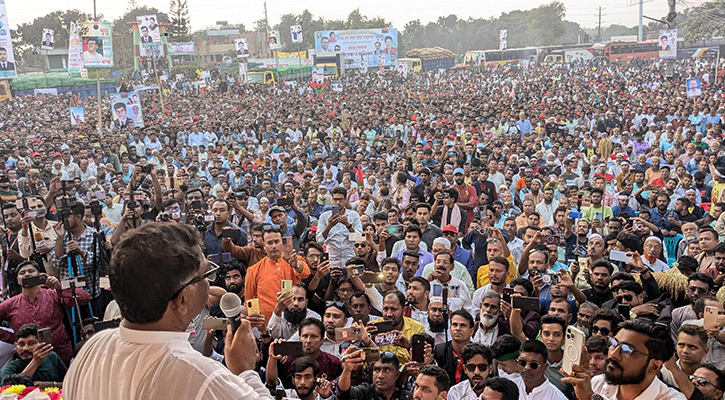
point(319, 88)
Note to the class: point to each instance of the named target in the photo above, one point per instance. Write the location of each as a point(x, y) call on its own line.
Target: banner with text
point(7, 58)
point(75, 56)
point(126, 110)
point(46, 42)
point(668, 44)
point(181, 48)
point(377, 47)
point(97, 45)
point(296, 31)
point(149, 29)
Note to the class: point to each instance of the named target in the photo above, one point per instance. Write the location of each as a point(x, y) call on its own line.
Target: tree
point(705, 21)
point(30, 34)
point(180, 25)
point(122, 36)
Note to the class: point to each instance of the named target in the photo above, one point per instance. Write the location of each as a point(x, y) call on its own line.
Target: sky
point(204, 14)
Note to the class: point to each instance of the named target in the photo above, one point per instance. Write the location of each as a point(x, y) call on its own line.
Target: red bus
point(626, 51)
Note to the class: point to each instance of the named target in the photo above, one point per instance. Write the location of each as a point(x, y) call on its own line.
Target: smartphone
point(597, 215)
point(293, 349)
point(450, 143)
point(231, 233)
point(356, 237)
point(372, 354)
point(325, 257)
point(218, 324)
point(286, 286)
point(384, 326)
point(394, 229)
point(287, 246)
point(418, 347)
point(101, 325)
point(623, 310)
point(373, 278)
point(710, 319)
point(616, 255)
point(44, 335)
point(573, 345)
point(253, 307)
point(335, 210)
point(33, 281)
point(357, 270)
point(526, 303)
point(104, 283)
point(348, 334)
point(208, 218)
point(284, 202)
point(551, 279)
point(436, 289)
point(507, 292)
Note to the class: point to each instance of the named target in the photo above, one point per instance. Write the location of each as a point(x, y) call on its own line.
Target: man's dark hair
point(355, 261)
point(398, 294)
point(523, 282)
point(699, 306)
point(603, 264)
point(506, 387)
point(312, 245)
point(390, 260)
point(443, 382)
point(340, 305)
point(363, 295)
point(499, 260)
point(339, 190)
point(688, 264)
point(149, 267)
point(536, 347)
point(17, 379)
point(301, 364)
point(312, 321)
point(628, 286)
point(630, 241)
point(597, 344)
point(505, 344)
point(694, 330)
point(380, 217)
point(411, 254)
point(597, 190)
point(451, 259)
point(554, 319)
point(27, 331)
point(702, 277)
point(659, 345)
point(607, 315)
point(119, 105)
point(465, 314)
point(424, 282)
point(414, 228)
point(235, 265)
point(473, 349)
point(720, 248)
point(422, 205)
point(710, 367)
point(622, 276)
point(709, 229)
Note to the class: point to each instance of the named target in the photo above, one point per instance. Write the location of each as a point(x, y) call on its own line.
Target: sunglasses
point(356, 245)
point(534, 365)
point(604, 331)
point(472, 367)
point(627, 350)
point(626, 297)
point(337, 304)
point(701, 381)
point(271, 227)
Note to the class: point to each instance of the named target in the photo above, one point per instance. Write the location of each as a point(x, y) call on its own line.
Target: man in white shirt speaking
point(158, 276)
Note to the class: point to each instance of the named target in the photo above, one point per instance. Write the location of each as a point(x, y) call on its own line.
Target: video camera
point(199, 218)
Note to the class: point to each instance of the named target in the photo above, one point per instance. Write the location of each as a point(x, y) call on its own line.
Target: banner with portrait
point(274, 40)
point(7, 58)
point(376, 47)
point(318, 75)
point(241, 47)
point(243, 72)
point(46, 42)
point(75, 53)
point(148, 27)
point(126, 110)
point(181, 48)
point(503, 37)
point(4, 90)
point(97, 44)
point(296, 31)
point(77, 115)
point(667, 44)
point(694, 87)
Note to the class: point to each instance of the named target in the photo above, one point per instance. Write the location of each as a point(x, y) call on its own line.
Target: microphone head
point(231, 305)
point(37, 236)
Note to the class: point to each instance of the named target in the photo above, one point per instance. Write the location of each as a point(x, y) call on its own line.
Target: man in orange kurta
point(264, 279)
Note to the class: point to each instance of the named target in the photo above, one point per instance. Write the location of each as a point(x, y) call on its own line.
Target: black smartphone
point(44, 335)
point(325, 257)
point(288, 349)
point(101, 325)
point(384, 326)
point(527, 303)
point(373, 278)
point(231, 233)
point(284, 202)
point(623, 310)
point(507, 292)
point(418, 347)
point(33, 281)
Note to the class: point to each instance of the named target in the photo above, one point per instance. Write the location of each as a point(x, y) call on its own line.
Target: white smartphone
point(356, 237)
point(572, 348)
point(710, 319)
point(616, 255)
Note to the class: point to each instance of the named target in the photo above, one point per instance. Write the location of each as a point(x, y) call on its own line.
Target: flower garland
point(21, 391)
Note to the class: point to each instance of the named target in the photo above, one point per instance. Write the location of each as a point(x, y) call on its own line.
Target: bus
point(626, 51)
point(473, 57)
point(495, 57)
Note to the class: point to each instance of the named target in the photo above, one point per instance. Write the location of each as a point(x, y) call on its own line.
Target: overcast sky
point(205, 13)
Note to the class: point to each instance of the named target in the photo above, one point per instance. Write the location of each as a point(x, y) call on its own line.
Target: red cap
point(35, 154)
point(450, 228)
point(57, 154)
point(313, 228)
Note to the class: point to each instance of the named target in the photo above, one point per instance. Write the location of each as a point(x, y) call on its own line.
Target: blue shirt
point(660, 220)
point(213, 243)
point(616, 211)
point(424, 258)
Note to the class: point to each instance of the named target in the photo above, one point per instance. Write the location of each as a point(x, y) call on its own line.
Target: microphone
point(38, 237)
point(231, 306)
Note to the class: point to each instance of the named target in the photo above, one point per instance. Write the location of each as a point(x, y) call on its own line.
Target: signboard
point(205, 74)
point(149, 29)
point(503, 37)
point(694, 88)
point(336, 86)
point(243, 71)
point(241, 47)
point(374, 46)
point(274, 40)
point(46, 42)
point(318, 75)
point(75, 57)
point(77, 115)
point(7, 58)
point(126, 110)
point(181, 48)
point(4, 91)
point(222, 32)
point(97, 45)
point(667, 44)
point(403, 69)
point(296, 31)
point(50, 91)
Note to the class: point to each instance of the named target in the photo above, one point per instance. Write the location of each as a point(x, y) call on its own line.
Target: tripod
point(98, 265)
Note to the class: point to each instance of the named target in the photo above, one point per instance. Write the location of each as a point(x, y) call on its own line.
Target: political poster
point(296, 31)
point(46, 42)
point(4, 90)
point(243, 72)
point(667, 44)
point(694, 88)
point(377, 47)
point(503, 37)
point(205, 74)
point(7, 58)
point(126, 110)
point(318, 75)
point(403, 69)
point(241, 47)
point(50, 91)
point(181, 48)
point(149, 29)
point(336, 86)
point(77, 115)
point(97, 45)
point(274, 40)
point(75, 54)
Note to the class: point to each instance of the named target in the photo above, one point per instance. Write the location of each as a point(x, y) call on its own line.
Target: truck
point(271, 76)
point(434, 58)
point(568, 55)
point(414, 64)
point(333, 63)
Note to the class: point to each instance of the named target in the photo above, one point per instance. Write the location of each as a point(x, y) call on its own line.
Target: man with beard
point(532, 360)
point(308, 384)
point(250, 254)
point(489, 327)
point(459, 297)
point(448, 355)
point(597, 348)
point(478, 361)
point(600, 273)
point(497, 273)
point(631, 293)
point(441, 244)
point(417, 299)
point(698, 285)
point(638, 352)
point(291, 309)
point(393, 304)
point(319, 278)
point(436, 324)
point(35, 359)
point(710, 381)
point(409, 262)
point(390, 268)
point(385, 377)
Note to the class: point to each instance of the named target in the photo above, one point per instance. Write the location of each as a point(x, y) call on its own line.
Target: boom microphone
point(231, 306)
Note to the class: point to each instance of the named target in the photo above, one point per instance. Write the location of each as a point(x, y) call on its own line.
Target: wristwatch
point(596, 397)
point(265, 335)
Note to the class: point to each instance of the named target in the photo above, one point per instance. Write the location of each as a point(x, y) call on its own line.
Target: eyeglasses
point(534, 365)
point(696, 290)
point(271, 227)
point(626, 297)
point(603, 331)
point(472, 367)
point(209, 275)
point(356, 245)
point(627, 350)
point(491, 240)
point(701, 381)
point(337, 304)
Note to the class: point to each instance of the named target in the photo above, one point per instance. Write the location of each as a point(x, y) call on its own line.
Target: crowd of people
point(539, 232)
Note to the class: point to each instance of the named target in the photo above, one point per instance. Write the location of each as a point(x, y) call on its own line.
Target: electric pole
point(599, 25)
point(641, 11)
point(266, 27)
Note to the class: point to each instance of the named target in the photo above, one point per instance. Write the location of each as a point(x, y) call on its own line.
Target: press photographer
point(132, 215)
point(37, 238)
point(145, 171)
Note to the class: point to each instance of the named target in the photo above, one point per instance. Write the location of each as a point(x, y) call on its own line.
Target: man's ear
point(442, 395)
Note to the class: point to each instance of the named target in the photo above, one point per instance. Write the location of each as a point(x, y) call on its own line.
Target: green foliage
point(186, 69)
point(123, 37)
point(30, 34)
point(705, 21)
point(180, 24)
